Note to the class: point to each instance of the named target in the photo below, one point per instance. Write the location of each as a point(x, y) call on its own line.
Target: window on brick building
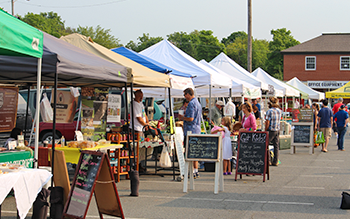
point(310, 63)
point(345, 63)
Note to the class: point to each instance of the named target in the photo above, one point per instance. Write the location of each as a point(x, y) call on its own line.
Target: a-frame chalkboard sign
point(253, 154)
point(93, 175)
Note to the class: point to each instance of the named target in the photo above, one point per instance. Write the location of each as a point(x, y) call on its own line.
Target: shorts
point(327, 132)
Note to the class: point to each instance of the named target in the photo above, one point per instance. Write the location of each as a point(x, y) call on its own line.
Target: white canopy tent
point(227, 65)
point(203, 77)
point(239, 88)
point(313, 94)
point(279, 85)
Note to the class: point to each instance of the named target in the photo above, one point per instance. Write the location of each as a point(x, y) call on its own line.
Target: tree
point(238, 52)
point(230, 39)
point(282, 39)
point(198, 44)
point(209, 46)
point(185, 42)
point(100, 36)
point(49, 22)
point(145, 41)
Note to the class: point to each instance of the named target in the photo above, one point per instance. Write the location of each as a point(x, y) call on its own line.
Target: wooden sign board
point(252, 154)
point(93, 175)
point(302, 134)
point(60, 174)
point(203, 147)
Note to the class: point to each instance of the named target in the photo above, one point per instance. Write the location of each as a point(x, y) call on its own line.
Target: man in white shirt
point(140, 117)
point(140, 120)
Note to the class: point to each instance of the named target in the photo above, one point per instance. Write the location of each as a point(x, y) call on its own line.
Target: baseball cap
point(220, 103)
point(342, 106)
point(340, 99)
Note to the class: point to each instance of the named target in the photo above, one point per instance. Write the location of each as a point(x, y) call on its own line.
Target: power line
point(76, 6)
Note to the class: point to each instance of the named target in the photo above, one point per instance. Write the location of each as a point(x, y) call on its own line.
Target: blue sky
point(129, 19)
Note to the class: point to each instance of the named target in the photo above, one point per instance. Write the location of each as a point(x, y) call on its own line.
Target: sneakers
point(225, 173)
point(197, 175)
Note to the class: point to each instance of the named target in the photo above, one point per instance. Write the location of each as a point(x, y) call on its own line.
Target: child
point(226, 144)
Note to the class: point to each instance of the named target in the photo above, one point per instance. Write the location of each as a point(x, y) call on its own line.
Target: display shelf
point(120, 156)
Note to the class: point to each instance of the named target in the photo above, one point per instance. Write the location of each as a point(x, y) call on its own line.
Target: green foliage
point(145, 41)
point(198, 44)
point(282, 39)
point(209, 46)
point(238, 52)
point(99, 35)
point(49, 22)
point(230, 39)
point(186, 42)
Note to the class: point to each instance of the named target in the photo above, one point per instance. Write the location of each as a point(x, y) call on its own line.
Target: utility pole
point(249, 50)
point(13, 7)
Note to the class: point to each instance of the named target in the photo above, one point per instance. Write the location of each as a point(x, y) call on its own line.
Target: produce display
point(6, 168)
point(82, 144)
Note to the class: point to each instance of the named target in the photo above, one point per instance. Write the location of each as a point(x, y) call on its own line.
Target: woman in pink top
point(248, 120)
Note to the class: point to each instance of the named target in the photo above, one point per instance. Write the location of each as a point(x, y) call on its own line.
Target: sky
point(129, 19)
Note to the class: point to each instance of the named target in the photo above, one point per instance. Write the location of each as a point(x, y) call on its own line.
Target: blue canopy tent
point(148, 62)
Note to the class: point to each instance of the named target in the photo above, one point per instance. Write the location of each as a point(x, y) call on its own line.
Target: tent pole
point(53, 143)
point(127, 122)
point(171, 118)
point(133, 126)
point(210, 121)
point(36, 144)
point(27, 107)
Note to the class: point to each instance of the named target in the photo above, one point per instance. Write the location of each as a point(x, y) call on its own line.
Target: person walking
point(325, 123)
point(192, 120)
point(226, 144)
point(248, 120)
point(342, 119)
point(272, 125)
point(216, 114)
point(335, 109)
point(316, 109)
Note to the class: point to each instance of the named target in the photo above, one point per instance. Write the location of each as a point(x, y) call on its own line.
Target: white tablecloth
point(26, 183)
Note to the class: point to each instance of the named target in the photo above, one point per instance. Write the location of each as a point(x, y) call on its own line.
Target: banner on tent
point(326, 84)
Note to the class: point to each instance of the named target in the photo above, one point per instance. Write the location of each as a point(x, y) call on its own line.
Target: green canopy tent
point(20, 39)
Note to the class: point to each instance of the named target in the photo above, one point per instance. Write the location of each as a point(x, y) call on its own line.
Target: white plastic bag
point(45, 109)
point(165, 158)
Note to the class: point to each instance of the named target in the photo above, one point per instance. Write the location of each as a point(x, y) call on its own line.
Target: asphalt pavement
point(302, 186)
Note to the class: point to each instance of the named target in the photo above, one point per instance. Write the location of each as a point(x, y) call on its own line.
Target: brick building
point(322, 63)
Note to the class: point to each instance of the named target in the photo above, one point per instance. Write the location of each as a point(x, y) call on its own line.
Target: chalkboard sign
point(252, 153)
point(302, 134)
point(203, 147)
point(93, 175)
point(84, 181)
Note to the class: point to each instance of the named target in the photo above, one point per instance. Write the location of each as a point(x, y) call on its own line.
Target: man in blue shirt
point(325, 123)
point(192, 119)
point(341, 118)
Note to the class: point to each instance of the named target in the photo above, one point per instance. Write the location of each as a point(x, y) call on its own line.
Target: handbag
point(345, 201)
point(164, 158)
point(319, 138)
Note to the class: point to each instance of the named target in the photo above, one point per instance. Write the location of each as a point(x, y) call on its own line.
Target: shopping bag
point(45, 109)
point(165, 158)
point(345, 201)
point(319, 138)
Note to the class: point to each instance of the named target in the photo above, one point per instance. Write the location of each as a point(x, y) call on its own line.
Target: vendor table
point(26, 183)
point(24, 158)
point(154, 144)
point(72, 154)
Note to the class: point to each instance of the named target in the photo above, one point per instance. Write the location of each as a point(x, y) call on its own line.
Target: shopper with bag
point(316, 109)
point(192, 120)
point(325, 123)
point(342, 119)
